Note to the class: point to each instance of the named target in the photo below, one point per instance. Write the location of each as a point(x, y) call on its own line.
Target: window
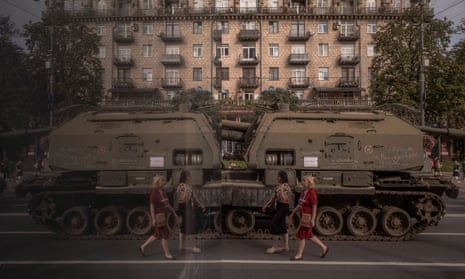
point(371, 50)
point(222, 50)
point(147, 4)
point(223, 26)
point(248, 25)
point(371, 27)
point(124, 53)
point(274, 50)
point(102, 8)
point(147, 28)
point(147, 50)
point(298, 76)
point(172, 50)
point(274, 73)
point(273, 27)
point(197, 50)
point(197, 27)
point(101, 52)
point(297, 28)
point(347, 50)
point(322, 3)
point(297, 49)
point(323, 49)
point(147, 74)
point(348, 74)
point(323, 26)
point(221, 5)
point(249, 53)
point(100, 29)
point(347, 28)
point(223, 73)
point(197, 74)
point(371, 5)
point(172, 77)
point(249, 96)
point(172, 29)
point(323, 73)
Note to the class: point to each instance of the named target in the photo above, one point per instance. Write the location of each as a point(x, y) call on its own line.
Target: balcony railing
point(171, 83)
point(123, 36)
point(123, 83)
point(217, 35)
point(348, 35)
point(299, 59)
point(123, 61)
point(248, 82)
point(248, 35)
point(171, 59)
point(171, 36)
point(348, 60)
point(296, 36)
point(247, 60)
point(217, 83)
point(349, 82)
point(299, 82)
point(217, 60)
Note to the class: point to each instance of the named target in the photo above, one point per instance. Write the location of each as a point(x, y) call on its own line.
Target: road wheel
point(329, 221)
point(395, 221)
point(240, 221)
point(361, 221)
point(138, 221)
point(108, 221)
point(75, 221)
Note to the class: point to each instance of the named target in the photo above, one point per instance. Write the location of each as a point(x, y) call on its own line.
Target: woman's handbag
point(160, 219)
point(306, 220)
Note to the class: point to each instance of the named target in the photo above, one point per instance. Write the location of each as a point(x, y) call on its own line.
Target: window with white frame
point(102, 52)
point(323, 73)
point(371, 50)
point(223, 26)
point(247, 6)
point(347, 28)
point(298, 49)
point(274, 73)
point(172, 50)
point(222, 50)
point(298, 76)
point(371, 27)
point(147, 50)
point(249, 96)
point(147, 4)
point(197, 74)
point(124, 53)
point(172, 76)
point(100, 29)
point(322, 3)
point(249, 52)
point(248, 25)
point(147, 74)
point(147, 28)
point(347, 50)
point(102, 7)
point(197, 49)
point(197, 27)
point(297, 28)
point(274, 50)
point(323, 26)
point(221, 5)
point(273, 27)
point(323, 49)
point(370, 5)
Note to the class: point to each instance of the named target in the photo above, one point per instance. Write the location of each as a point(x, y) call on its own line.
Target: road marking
point(444, 234)
point(242, 262)
point(456, 215)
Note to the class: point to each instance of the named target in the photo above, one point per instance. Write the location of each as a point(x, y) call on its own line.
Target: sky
point(24, 11)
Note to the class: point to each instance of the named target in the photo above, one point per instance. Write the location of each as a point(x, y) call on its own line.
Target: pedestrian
point(456, 170)
point(188, 207)
point(159, 206)
point(463, 168)
point(437, 166)
point(19, 171)
point(307, 205)
point(278, 225)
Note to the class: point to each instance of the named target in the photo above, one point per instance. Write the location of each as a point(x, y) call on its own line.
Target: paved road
point(28, 251)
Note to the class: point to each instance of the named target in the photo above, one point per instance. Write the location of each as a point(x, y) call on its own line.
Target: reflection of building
point(236, 48)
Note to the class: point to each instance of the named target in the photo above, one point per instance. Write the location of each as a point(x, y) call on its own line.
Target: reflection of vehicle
point(367, 167)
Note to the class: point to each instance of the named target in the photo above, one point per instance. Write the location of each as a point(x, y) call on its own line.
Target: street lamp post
point(422, 65)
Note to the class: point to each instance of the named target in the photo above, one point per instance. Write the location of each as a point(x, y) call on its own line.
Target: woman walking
point(187, 209)
point(159, 205)
point(278, 222)
point(308, 203)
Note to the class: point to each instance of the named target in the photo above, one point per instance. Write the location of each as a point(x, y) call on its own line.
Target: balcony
point(217, 61)
point(123, 83)
point(246, 35)
point(171, 37)
point(247, 61)
point(299, 36)
point(299, 82)
point(123, 36)
point(123, 61)
point(299, 59)
point(171, 83)
point(343, 60)
point(349, 83)
point(217, 35)
point(217, 83)
point(171, 59)
point(248, 82)
point(348, 36)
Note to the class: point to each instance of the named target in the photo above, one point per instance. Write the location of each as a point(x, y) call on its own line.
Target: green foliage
point(396, 68)
point(276, 96)
point(77, 70)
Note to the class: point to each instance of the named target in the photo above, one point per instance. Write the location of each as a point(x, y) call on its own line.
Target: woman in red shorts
point(159, 205)
point(308, 202)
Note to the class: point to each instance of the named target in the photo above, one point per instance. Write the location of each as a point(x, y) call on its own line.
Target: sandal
point(325, 252)
point(272, 250)
point(141, 251)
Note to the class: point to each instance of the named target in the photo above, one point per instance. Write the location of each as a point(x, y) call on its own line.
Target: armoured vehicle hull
point(368, 168)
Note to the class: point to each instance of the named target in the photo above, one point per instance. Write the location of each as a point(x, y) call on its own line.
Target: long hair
point(184, 175)
point(311, 180)
point(283, 176)
point(157, 180)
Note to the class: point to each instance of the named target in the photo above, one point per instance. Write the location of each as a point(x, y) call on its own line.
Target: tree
point(69, 49)
point(17, 104)
point(275, 96)
point(396, 67)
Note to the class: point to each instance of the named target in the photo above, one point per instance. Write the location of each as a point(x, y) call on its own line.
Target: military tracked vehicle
point(368, 168)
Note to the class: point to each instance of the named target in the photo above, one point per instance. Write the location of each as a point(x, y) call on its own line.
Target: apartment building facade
point(236, 49)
